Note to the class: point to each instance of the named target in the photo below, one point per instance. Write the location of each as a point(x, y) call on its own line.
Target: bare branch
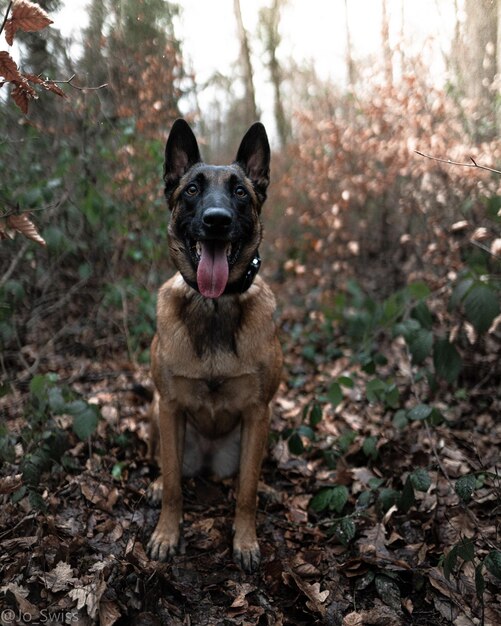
point(449, 162)
point(70, 82)
point(14, 263)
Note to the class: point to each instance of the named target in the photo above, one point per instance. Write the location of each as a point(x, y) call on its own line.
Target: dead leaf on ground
point(59, 578)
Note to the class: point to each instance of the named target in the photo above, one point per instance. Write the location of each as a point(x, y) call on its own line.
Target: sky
point(312, 30)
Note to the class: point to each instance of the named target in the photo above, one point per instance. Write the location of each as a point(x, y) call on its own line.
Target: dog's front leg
point(165, 539)
point(255, 424)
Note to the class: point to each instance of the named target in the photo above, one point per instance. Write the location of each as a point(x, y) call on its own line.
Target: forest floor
point(80, 557)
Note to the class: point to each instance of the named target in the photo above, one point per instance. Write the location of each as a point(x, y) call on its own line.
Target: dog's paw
point(247, 556)
point(163, 544)
point(155, 491)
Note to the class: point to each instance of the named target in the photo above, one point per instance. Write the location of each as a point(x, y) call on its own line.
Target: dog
point(215, 359)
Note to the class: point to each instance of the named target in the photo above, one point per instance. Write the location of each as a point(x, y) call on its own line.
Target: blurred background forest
point(350, 197)
point(386, 263)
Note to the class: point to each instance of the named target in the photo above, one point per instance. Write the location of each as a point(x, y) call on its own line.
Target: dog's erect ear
point(181, 152)
point(254, 157)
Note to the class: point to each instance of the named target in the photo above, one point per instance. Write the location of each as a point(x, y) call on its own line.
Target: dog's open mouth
point(213, 259)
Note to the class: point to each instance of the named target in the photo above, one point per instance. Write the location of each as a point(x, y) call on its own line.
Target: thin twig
point(6, 16)
point(69, 82)
point(14, 263)
point(449, 162)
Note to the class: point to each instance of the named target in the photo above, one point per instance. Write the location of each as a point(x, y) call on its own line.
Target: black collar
point(244, 283)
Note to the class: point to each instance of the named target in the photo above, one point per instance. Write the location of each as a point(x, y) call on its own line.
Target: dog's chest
point(214, 405)
point(212, 325)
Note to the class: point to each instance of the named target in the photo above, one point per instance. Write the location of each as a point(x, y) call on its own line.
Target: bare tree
point(251, 112)
point(350, 65)
point(478, 62)
point(385, 40)
point(269, 20)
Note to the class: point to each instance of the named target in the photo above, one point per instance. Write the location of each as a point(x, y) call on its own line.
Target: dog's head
point(215, 227)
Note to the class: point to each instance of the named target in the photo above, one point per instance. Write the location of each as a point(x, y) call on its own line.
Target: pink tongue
point(212, 273)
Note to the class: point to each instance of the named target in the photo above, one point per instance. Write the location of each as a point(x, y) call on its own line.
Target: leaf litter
point(83, 553)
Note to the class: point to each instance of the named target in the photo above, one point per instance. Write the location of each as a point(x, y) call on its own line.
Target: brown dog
point(215, 359)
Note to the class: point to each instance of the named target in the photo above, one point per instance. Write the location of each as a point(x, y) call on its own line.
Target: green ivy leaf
point(346, 381)
point(345, 530)
point(420, 345)
point(481, 306)
point(56, 400)
point(387, 498)
point(36, 501)
point(466, 550)
point(346, 439)
point(407, 498)
point(85, 418)
point(370, 447)
point(418, 290)
point(335, 394)
point(449, 562)
point(459, 292)
point(419, 412)
point(400, 420)
point(392, 396)
point(339, 497)
point(420, 480)
point(465, 486)
point(374, 390)
point(19, 494)
point(315, 414)
point(492, 563)
point(446, 360)
point(295, 444)
point(479, 582)
point(423, 315)
point(117, 470)
point(321, 500)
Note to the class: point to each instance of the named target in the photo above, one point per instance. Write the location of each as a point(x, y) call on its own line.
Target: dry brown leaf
point(240, 604)
point(315, 598)
point(49, 85)
point(59, 578)
point(22, 94)
point(9, 484)
point(25, 226)
point(380, 615)
point(8, 67)
point(89, 597)
point(108, 613)
point(26, 16)
point(20, 593)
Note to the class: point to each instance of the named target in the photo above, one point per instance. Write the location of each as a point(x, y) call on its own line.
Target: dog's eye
point(191, 190)
point(240, 192)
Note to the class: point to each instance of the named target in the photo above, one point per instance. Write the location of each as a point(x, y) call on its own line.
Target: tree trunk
point(269, 19)
point(251, 113)
point(350, 65)
point(385, 38)
point(479, 63)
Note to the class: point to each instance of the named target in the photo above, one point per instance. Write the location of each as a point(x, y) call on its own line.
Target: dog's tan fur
point(212, 405)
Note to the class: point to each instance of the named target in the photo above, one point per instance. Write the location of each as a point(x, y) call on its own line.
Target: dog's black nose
point(217, 217)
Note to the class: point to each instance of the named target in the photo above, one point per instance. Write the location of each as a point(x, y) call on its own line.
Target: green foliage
point(385, 392)
point(44, 441)
point(330, 499)
point(406, 314)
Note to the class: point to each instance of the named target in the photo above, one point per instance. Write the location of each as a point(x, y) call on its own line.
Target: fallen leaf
point(109, 613)
point(59, 578)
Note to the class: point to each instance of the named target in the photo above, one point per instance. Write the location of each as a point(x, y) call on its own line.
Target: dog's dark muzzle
point(217, 221)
